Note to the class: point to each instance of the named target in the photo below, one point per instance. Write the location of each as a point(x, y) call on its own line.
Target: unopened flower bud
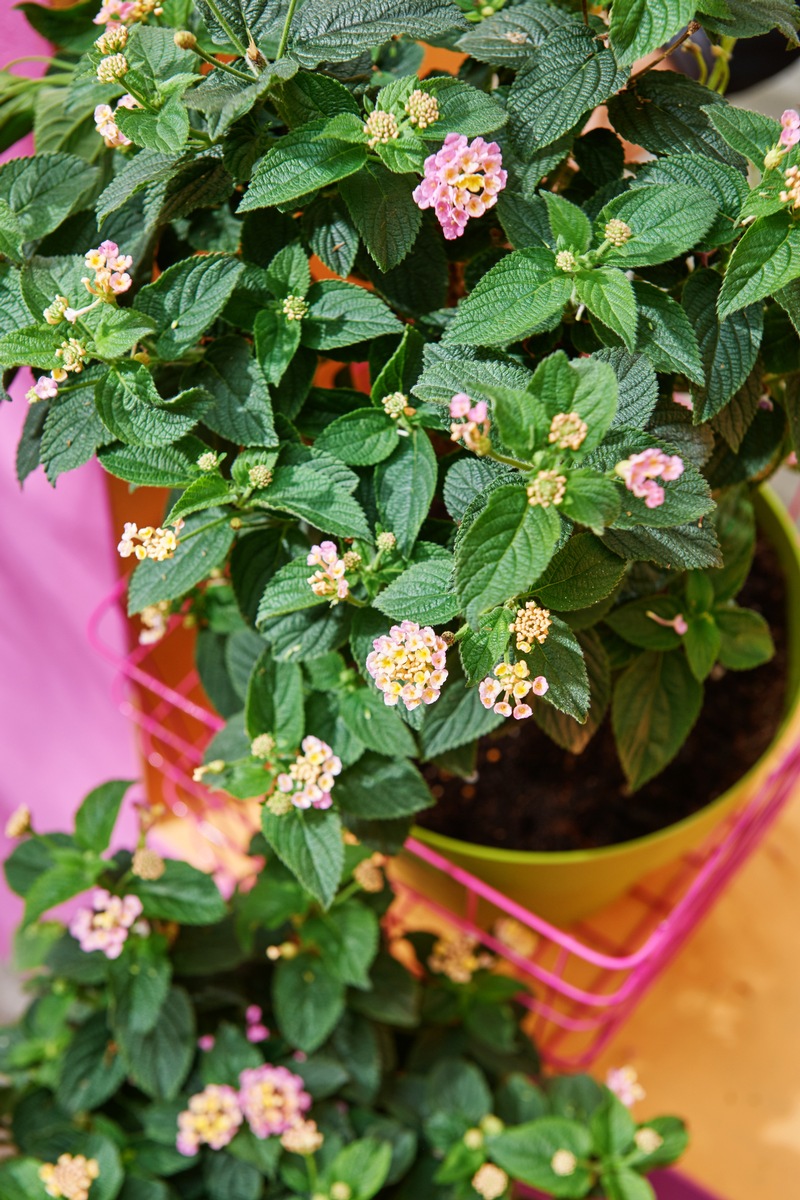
point(648, 1140)
point(422, 109)
point(208, 461)
point(473, 1139)
point(19, 823)
point(341, 1190)
point(260, 475)
point(492, 1125)
point(566, 261)
point(262, 746)
point(386, 541)
point(184, 40)
point(351, 560)
point(279, 804)
point(563, 1163)
point(381, 127)
point(147, 864)
point(490, 1182)
point(295, 308)
point(617, 232)
point(112, 68)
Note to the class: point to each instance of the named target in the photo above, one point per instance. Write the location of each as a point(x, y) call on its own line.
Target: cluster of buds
point(514, 683)
point(490, 1182)
point(530, 624)
point(295, 308)
point(112, 68)
point(329, 580)
point(263, 746)
point(462, 180)
point(71, 1177)
point(273, 1100)
point(648, 1140)
point(54, 313)
point(566, 261)
point(458, 957)
point(422, 109)
point(563, 1163)
point(547, 488)
point(256, 1029)
point(148, 864)
point(208, 461)
point(309, 780)
point(106, 124)
point(126, 12)
point(408, 664)
point(303, 1138)
point(369, 873)
point(381, 127)
point(791, 193)
point(567, 431)
point(19, 823)
point(396, 405)
point(617, 232)
point(385, 542)
point(73, 355)
point(516, 936)
point(155, 622)
point(212, 1119)
point(640, 471)
point(106, 925)
point(114, 39)
point(153, 542)
point(260, 476)
point(470, 423)
point(624, 1083)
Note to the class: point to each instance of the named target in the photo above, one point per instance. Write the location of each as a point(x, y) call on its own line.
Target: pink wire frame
point(583, 982)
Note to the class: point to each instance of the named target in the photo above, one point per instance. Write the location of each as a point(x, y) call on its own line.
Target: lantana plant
point(459, 399)
point(181, 1046)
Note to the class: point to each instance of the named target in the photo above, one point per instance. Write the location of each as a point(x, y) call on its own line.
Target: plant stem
point(585, 7)
point(286, 27)
point(234, 40)
point(691, 28)
point(509, 462)
point(215, 62)
point(45, 58)
point(720, 75)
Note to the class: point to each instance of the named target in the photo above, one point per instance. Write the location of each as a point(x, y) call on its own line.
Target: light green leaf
point(504, 551)
point(347, 938)
point(309, 843)
point(43, 190)
point(316, 498)
point(360, 438)
point(97, 815)
point(119, 330)
point(376, 724)
point(187, 298)
point(570, 226)
point(488, 40)
point(526, 1153)
point(749, 133)
point(726, 185)
point(423, 593)
point(132, 409)
point(277, 341)
point(302, 161)
point(560, 659)
point(154, 466)
point(639, 26)
point(192, 562)
point(275, 702)
point(666, 220)
point(609, 295)
point(165, 130)
point(405, 484)
point(181, 894)
point(462, 109)
point(656, 702)
point(765, 260)
point(592, 500)
point(377, 787)
point(702, 643)
point(512, 300)
point(746, 639)
point(202, 493)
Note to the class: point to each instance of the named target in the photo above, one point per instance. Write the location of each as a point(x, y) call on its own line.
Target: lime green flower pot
point(563, 887)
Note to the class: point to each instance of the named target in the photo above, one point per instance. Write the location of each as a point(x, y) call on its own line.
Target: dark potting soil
point(532, 795)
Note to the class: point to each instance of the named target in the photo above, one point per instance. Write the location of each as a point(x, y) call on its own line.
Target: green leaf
point(405, 484)
point(19, 1177)
point(457, 718)
point(382, 788)
point(656, 702)
point(609, 295)
point(665, 334)
point(481, 650)
point(580, 574)
point(277, 340)
point(669, 114)
point(44, 190)
point(728, 347)
point(570, 226)
point(158, 1062)
point(287, 591)
point(488, 40)
point(308, 999)
point(621, 1183)
point(181, 894)
point(71, 875)
point(639, 26)
point(191, 563)
point(423, 593)
point(360, 438)
point(765, 260)
point(154, 466)
point(187, 298)
point(275, 702)
point(91, 1069)
point(165, 130)
point(383, 212)
point(343, 313)
point(526, 1152)
point(637, 386)
point(564, 78)
point(132, 409)
point(315, 497)
point(72, 433)
point(563, 729)
point(560, 659)
point(687, 498)
point(302, 161)
point(746, 639)
point(449, 369)
point(32, 346)
point(726, 185)
point(309, 843)
point(592, 500)
point(513, 299)
point(338, 30)
point(702, 644)
point(632, 622)
point(749, 133)
point(689, 546)
point(201, 494)
point(364, 1166)
point(376, 724)
point(462, 109)
point(97, 815)
point(241, 410)
point(504, 551)
point(347, 937)
point(139, 984)
point(228, 1178)
point(119, 330)
point(666, 220)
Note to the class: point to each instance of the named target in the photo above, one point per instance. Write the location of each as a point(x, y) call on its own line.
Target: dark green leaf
point(656, 702)
point(308, 999)
point(310, 844)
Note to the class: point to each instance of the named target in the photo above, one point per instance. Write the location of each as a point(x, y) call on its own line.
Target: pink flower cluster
point(512, 681)
point(640, 471)
point(127, 11)
point(106, 925)
point(790, 128)
point(624, 1083)
point(107, 127)
point(271, 1099)
point(256, 1030)
point(110, 268)
point(462, 180)
point(45, 388)
point(329, 580)
point(311, 776)
point(474, 431)
point(408, 664)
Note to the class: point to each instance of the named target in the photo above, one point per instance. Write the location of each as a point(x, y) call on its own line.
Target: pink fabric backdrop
point(60, 732)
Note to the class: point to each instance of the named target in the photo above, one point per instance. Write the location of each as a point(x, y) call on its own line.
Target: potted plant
point(532, 506)
point(180, 1045)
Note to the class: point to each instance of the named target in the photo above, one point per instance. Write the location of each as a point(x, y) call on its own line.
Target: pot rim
point(771, 510)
